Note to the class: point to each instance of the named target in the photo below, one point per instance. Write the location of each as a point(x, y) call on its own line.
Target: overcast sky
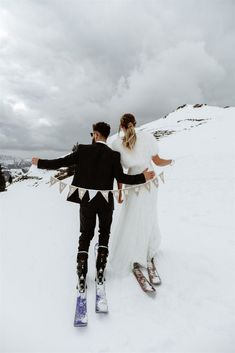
point(66, 64)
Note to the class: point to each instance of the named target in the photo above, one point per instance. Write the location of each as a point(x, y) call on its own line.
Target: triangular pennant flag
point(53, 180)
point(116, 194)
point(126, 192)
point(162, 176)
point(92, 193)
point(81, 193)
point(72, 189)
point(62, 186)
point(148, 186)
point(155, 181)
point(106, 195)
point(137, 190)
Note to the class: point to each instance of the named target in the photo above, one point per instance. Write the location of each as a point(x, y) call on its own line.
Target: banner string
point(105, 193)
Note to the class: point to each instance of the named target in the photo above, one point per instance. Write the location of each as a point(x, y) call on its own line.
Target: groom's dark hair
point(103, 128)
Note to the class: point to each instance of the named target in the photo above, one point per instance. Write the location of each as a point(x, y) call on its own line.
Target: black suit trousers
point(88, 215)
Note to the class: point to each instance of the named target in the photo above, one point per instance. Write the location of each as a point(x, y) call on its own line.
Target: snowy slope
point(193, 310)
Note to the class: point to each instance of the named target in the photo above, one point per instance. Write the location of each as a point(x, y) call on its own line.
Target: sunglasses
point(91, 133)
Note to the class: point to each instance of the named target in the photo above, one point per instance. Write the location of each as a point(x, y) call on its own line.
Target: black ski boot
point(82, 270)
point(101, 263)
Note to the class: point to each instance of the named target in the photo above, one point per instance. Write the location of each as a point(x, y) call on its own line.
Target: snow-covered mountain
point(9, 159)
point(16, 162)
point(14, 166)
point(193, 310)
point(185, 118)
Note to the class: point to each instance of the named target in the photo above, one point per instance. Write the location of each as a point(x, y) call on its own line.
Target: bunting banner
point(53, 180)
point(126, 191)
point(137, 190)
point(81, 193)
point(116, 194)
point(72, 189)
point(105, 193)
point(62, 186)
point(155, 181)
point(148, 186)
point(162, 177)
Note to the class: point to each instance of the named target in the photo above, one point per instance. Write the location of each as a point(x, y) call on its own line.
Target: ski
point(142, 280)
point(101, 305)
point(81, 318)
point(154, 277)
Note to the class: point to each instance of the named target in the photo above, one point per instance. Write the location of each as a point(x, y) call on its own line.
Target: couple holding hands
point(136, 236)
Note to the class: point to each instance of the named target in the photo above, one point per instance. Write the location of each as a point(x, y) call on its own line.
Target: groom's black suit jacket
point(96, 167)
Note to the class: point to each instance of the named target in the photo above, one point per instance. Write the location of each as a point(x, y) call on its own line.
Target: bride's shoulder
point(116, 144)
point(148, 140)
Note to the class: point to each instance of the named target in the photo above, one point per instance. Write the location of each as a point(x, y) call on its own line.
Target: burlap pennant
point(162, 177)
point(72, 189)
point(116, 194)
point(53, 180)
point(62, 186)
point(148, 186)
point(106, 195)
point(126, 192)
point(81, 193)
point(137, 190)
point(155, 181)
point(92, 194)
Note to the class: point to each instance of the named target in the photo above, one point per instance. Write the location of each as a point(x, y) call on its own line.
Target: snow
point(193, 310)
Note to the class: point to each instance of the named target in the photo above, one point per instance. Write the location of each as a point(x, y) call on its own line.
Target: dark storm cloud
point(66, 64)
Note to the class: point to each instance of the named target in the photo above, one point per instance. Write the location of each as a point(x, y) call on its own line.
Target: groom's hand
point(148, 175)
point(35, 161)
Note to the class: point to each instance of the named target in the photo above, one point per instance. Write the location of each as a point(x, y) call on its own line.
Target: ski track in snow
point(193, 310)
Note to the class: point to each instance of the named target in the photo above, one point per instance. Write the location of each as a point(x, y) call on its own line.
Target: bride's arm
point(160, 161)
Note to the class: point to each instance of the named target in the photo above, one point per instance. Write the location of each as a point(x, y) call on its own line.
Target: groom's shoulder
point(90, 146)
point(84, 146)
point(116, 155)
point(94, 146)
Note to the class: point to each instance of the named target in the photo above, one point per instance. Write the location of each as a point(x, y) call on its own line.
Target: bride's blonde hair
point(128, 122)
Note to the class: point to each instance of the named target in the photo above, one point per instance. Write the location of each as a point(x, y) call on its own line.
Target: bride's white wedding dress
point(135, 236)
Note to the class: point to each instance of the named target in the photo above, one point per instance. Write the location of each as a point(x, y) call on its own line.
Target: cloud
point(67, 64)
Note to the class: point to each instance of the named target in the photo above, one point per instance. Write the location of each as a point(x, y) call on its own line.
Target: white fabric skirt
point(135, 235)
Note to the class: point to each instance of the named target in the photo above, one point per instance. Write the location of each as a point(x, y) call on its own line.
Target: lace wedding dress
point(135, 236)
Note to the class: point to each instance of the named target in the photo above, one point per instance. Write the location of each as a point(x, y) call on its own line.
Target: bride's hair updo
point(128, 122)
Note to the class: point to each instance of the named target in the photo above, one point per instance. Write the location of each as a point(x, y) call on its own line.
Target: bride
point(136, 237)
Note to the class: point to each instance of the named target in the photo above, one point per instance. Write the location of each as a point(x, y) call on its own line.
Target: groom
point(96, 167)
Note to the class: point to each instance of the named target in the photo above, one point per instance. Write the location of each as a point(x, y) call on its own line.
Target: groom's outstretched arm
point(124, 178)
point(57, 163)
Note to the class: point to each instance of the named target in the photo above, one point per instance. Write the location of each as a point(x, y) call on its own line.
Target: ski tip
point(101, 307)
point(100, 311)
point(151, 291)
point(79, 324)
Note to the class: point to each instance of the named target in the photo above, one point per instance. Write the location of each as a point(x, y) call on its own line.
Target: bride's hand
point(148, 174)
point(120, 199)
